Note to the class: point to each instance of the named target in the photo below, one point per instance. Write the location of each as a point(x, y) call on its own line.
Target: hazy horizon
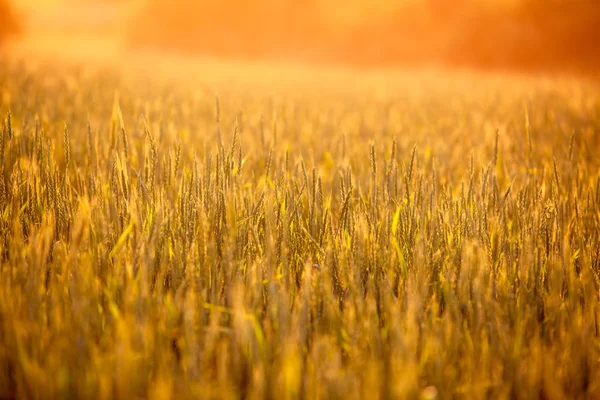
point(492, 34)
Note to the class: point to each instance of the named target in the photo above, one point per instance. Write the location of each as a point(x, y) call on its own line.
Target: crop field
point(293, 235)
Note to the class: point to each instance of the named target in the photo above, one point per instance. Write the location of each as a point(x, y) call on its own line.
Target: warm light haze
point(505, 34)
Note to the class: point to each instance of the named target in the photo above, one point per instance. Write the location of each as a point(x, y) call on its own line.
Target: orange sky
point(484, 33)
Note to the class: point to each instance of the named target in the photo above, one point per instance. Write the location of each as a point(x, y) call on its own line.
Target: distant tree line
point(527, 34)
point(9, 24)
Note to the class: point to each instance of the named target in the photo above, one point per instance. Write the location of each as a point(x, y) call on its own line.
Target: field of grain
point(409, 235)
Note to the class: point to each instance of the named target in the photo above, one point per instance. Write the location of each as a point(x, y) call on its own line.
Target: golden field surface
point(159, 236)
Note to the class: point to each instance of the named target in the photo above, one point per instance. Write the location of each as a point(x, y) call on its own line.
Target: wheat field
point(298, 236)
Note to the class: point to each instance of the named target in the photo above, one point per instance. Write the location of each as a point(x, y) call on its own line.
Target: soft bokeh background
point(514, 34)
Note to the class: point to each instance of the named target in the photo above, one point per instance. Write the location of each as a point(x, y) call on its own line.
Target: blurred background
point(487, 34)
